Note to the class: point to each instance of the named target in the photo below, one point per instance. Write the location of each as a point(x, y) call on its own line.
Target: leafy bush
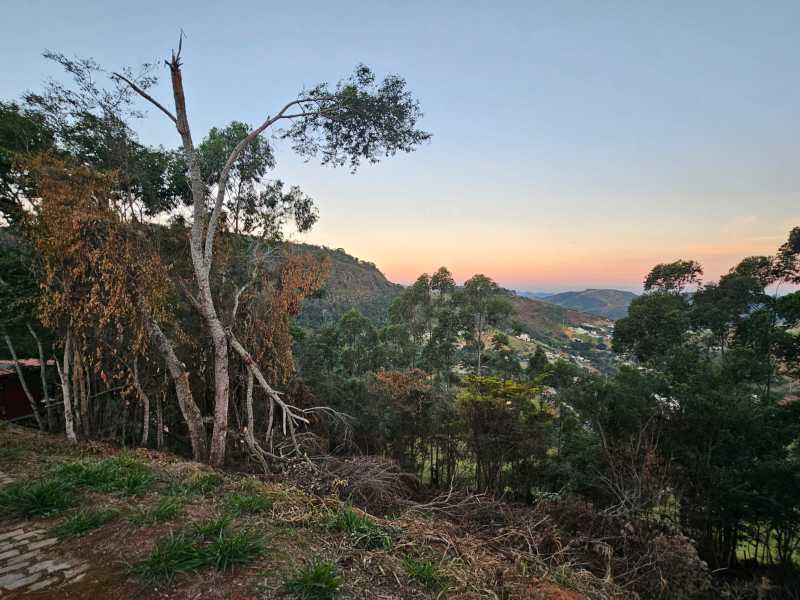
point(315, 580)
point(363, 531)
point(38, 498)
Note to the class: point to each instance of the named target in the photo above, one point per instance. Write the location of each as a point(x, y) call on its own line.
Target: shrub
point(83, 521)
point(38, 498)
point(315, 580)
point(426, 573)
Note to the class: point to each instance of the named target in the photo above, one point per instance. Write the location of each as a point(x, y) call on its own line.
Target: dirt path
point(30, 560)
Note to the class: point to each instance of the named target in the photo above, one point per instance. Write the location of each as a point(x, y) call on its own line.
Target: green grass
point(426, 573)
point(165, 509)
point(9, 455)
point(36, 498)
point(175, 554)
point(200, 484)
point(363, 531)
point(83, 521)
point(208, 545)
point(315, 580)
point(121, 474)
point(239, 504)
point(230, 549)
point(211, 529)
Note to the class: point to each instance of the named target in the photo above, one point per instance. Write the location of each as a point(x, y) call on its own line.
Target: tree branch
point(146, 96)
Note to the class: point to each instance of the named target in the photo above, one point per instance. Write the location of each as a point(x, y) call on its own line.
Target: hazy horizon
point(573, 146)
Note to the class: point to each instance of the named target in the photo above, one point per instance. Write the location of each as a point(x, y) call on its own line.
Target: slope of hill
point(611, 304)
point(548, 322)
point(353, 283)
point(158, 526)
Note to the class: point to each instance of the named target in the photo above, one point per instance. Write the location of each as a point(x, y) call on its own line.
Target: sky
point(575, 144)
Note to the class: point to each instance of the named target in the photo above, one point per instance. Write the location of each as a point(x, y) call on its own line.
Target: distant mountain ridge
point(355, 283)
point(607, 303)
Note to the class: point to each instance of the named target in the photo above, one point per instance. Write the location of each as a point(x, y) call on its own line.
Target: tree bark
point(66, 391)
point(22, 380)
point(189, 410)
point(201, 262)
point(145, 403)
point(51, 420)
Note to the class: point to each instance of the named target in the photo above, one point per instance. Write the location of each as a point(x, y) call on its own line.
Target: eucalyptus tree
point(357, 120)
point(485, 304)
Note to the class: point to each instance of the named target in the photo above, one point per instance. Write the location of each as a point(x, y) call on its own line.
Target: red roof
point(7, 366)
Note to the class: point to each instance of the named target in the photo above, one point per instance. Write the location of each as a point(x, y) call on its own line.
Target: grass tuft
point(37, 498)
point(122, 474)
point(211, 529)
point(239, 504)
point(173, 555)
point(229, 550)
point(83, 521)
point(426, 573)
point(198, 484)
point(166, 509)
point(315, 580)
point(363, 530)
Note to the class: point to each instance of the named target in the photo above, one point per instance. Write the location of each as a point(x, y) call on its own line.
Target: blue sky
point(575, 143)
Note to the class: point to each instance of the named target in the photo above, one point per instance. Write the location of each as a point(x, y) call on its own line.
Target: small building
point(14, 403)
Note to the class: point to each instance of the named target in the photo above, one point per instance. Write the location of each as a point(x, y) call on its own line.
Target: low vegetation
point(315, 580)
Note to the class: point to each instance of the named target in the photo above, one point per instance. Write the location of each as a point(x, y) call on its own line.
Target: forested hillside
point(611, 304)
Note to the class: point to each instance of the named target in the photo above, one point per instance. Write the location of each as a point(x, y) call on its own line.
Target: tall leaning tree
point(356, 120)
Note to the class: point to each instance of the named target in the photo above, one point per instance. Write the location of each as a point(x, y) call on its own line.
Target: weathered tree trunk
point(51, 419)
point(145, 403)
point(22, 380)
point(201, 262)
point(80, 388)
point(189, 410)
point(66, 391)
point(160, 400)
point(249, 432)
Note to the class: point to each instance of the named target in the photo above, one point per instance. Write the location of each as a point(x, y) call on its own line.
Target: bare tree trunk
point(145, 403)
point(22, 380)
point(51, 421)
point(201, 261)
point(290, 415)
point(160, 414)
point(249, 432)
point(189, 410)
point(65, 388)
point(80, 378)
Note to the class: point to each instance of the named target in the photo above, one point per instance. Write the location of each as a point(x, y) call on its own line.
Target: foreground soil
point(39, 559)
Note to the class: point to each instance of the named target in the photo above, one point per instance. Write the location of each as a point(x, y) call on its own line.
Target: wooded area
point(159, 281)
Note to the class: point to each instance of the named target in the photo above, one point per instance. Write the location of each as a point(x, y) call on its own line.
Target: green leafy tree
point(485, 305)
